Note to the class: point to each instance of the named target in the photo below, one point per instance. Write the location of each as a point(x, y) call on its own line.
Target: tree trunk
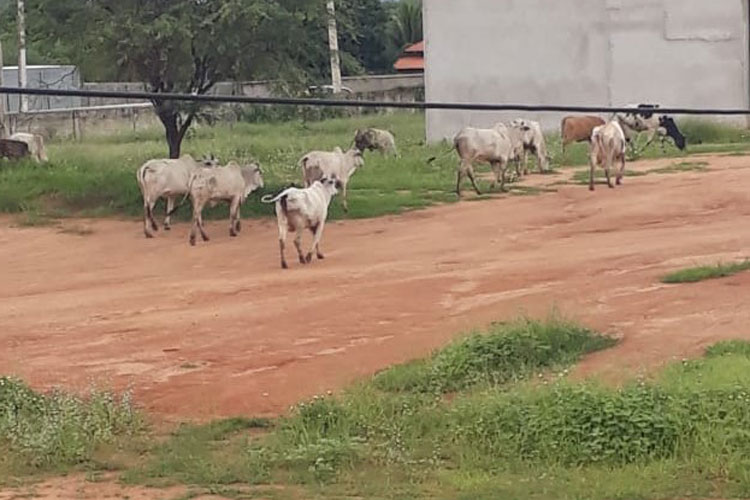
point(174, 140)
point(168, 118)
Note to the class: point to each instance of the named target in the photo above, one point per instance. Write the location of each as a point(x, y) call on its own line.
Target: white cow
point(232, 184)
point(493, 146)
point(299, 209)
point(644, 119)
point(607, 147)
point(374, 139)
point(35, 143)
point(168, 178)
point(533, 142)
point(316, 165)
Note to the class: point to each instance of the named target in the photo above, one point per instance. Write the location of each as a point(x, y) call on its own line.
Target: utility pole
point(22, 82)
point(3, 122)
point(333, 43)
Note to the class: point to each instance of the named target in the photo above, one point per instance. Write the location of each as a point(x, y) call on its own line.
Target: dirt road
point(220, 330)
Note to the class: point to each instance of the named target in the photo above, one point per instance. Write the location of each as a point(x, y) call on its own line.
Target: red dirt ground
point(220, 330)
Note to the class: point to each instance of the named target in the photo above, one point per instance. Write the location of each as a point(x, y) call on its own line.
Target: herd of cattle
point(326, 173)
point(503, 144)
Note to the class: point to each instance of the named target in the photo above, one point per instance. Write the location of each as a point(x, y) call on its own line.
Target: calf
point(298, 209)
point(231, 183)
point(168, 178)
point(607, 146)
point(533, 142)
point(317, 165)
point(493, 146)
point(374, 139)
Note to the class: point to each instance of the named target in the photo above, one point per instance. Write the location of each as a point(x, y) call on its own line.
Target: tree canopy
point(190, 45)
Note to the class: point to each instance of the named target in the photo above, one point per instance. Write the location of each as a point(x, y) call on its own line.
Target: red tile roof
point(412, 58)
point(417, 47)
point(409, 63)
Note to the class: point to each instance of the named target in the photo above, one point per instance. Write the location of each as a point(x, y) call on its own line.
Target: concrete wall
point(385, 87)
point(691, 53)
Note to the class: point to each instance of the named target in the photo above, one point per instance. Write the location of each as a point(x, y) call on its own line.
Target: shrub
point(56, 429)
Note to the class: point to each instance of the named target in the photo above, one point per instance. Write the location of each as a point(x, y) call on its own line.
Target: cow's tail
point(185, 197)
point(269, 198)
point(442, 155)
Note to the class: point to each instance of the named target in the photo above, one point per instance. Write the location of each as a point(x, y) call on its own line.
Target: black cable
point(343, 103)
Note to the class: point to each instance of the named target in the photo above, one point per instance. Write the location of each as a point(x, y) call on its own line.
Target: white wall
point(687, 53)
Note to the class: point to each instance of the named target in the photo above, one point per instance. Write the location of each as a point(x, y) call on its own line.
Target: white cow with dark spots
point(299, 209)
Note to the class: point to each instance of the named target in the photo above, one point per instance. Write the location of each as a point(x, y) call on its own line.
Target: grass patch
point(685, 166)
point(509, 352)
point(582, 176)
point(702, 273)
point(698, 132)
point(97, 177)
point(477, 421)
point(56, 431)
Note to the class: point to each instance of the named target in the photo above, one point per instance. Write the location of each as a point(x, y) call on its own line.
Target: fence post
point(76, 125)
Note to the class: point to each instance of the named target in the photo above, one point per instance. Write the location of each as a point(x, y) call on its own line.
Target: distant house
point(411, 60)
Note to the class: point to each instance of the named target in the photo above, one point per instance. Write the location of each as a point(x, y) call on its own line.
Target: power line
point(343, 103)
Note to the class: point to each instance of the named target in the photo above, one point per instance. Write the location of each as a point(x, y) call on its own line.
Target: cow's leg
point(503, 170)
point(343, 197)
point(541, 159)
point(470, 173)
point(525, 162)
point(651, 137)
point(607, 167)
point(621, 171)
point(298, 244)
point(148, 219)
point(317, 231)
point(234, 217)
point(168, 217)
point(459, 174)
point(199, 219)
point(592, 168)
point(496, 172)
point(195, 224)
point(283, 228)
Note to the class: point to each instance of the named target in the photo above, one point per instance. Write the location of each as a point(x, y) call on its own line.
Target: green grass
point(702, 273)
point(489, 416)
point(57, 431)
point(96, 177)
point(508, 352)
point(685, 166)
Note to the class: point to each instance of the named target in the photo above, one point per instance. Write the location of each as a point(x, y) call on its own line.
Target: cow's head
point(331, 185)
point(210, 161)
point(363, 139)
point(668, 124)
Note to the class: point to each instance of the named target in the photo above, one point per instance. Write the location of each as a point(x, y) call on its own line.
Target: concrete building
point(688, 53)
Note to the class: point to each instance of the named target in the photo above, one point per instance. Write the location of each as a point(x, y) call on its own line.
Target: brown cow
point(578, 129)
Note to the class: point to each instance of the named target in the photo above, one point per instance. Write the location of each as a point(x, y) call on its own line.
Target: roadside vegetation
point(96, 177)
point(702, 273)
point(56, 431)
point(491, 415)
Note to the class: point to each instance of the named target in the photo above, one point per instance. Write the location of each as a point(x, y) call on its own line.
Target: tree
point(182, 46)
point(405, 27)
point(364, 33)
